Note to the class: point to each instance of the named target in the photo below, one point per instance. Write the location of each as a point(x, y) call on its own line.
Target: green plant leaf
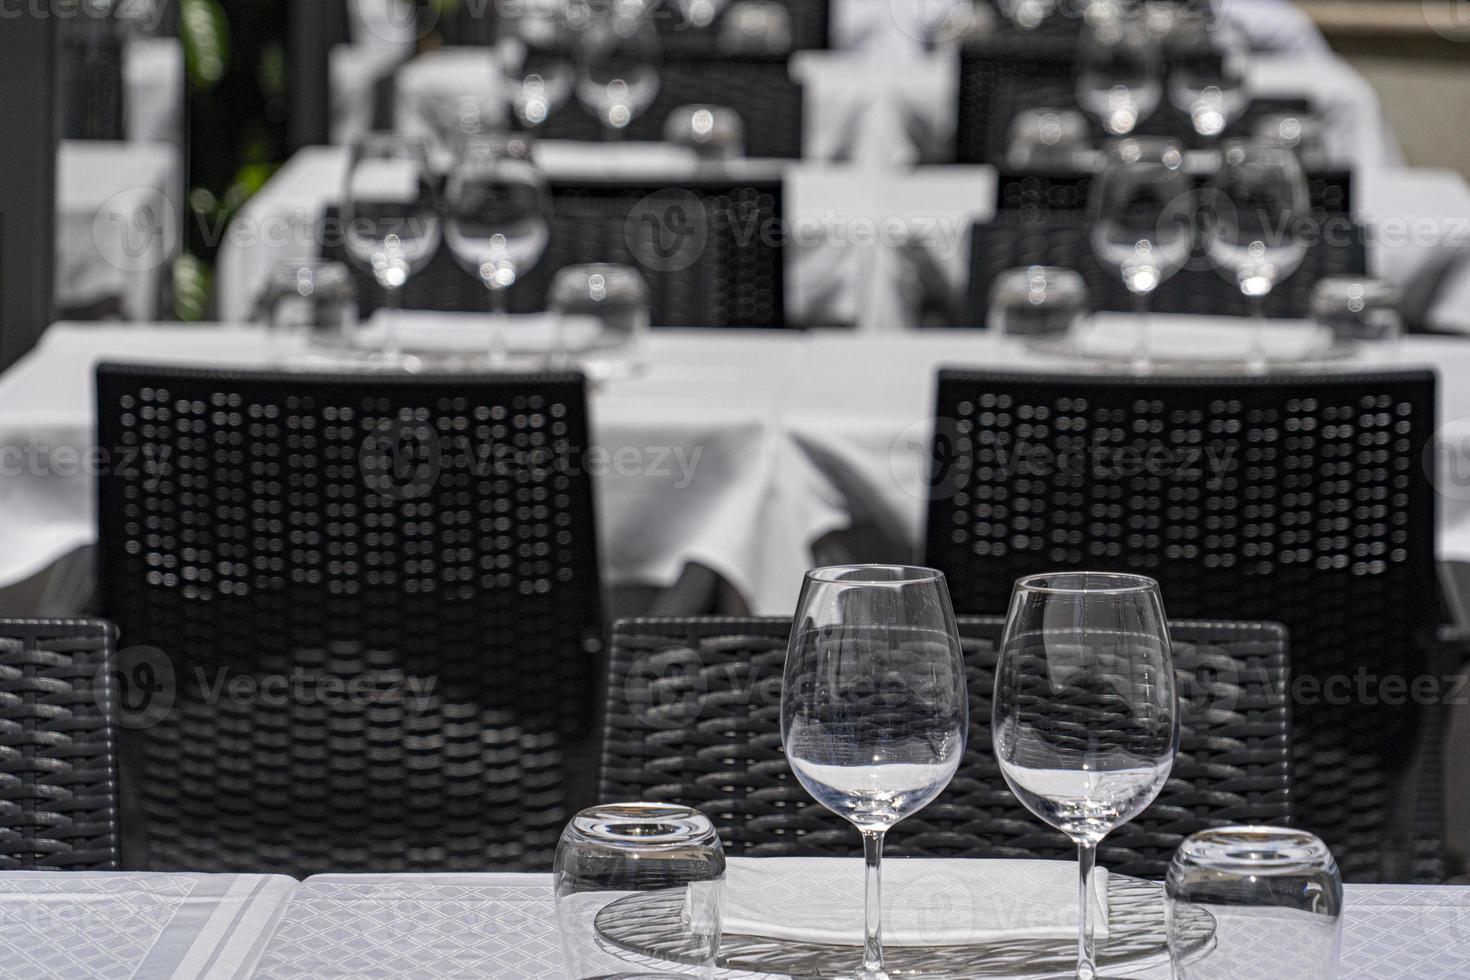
point(205, 31)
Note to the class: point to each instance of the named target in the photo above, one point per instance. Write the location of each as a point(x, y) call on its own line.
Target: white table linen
point(689, 462)
point(117, 222)
point(383, 927)
point(84, 925)
point(153, 90)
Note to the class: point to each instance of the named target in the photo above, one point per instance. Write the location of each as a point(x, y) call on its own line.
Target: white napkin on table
point(926, 902)
point(1202, 338)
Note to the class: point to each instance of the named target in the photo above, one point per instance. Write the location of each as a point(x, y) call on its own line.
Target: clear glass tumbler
point(1275, 895)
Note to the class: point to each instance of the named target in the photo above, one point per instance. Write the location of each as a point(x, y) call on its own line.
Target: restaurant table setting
point(778, 438)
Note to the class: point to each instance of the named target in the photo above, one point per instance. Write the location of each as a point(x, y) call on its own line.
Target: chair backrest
point(758, 87)
point(1008, 73)
point(1300, 499)
point(694, 717)
point(91, 79)
point(1064, 238)
point(712, 250)
point(374, 603)
point(58, 746)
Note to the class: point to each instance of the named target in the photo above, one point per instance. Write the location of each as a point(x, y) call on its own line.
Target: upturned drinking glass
point(615, 850)
point(1275, 895)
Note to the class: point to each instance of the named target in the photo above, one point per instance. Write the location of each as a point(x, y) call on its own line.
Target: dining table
point(76, 925)
point(736, 449)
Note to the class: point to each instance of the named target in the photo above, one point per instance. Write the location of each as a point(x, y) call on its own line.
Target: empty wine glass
point(1042, 138)
point(1207, 75)
point(874, 705)
point(1259, 196)
point(390, 213)
point(1037, 302)
point(713, 132)
point(498, 223)
point(1303, 133)
point(1085, 719)
point(617, 77)
point(1118, 72)
point(602, 317)
point(537, 52)
point(1142, 210)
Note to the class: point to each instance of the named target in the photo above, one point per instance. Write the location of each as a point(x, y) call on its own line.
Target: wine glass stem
point(392, 307)
point(1257, 361)
point(1142, 342)
point(873, 905)
point(1086, 948)
point(499, 321)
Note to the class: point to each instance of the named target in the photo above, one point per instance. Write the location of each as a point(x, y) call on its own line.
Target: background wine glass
point(537, 51)
point(1207, 75)
point(617, 75)
point(1142, 209)
point(874, 705)
point(1259, 195)
point(390, 214)
point(498, 223)
point(1085, 719)
point(1119, 76)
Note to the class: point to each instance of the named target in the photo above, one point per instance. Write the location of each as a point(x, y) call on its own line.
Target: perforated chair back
point(375, 604)
point(710, 249)
point(58, 746)
point(1064, 238)
point(91, 79)
point(758, 87)
point(1008, 73)
point(1296, 498)
point(694, 717)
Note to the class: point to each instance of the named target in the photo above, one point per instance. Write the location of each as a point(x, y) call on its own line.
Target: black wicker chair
point(1008, 73)
point(1298, 499)
point(693, 716)
point(727, 271)
point(58, 748)
point(1035, 237)
point(376, 534)
point(91, 79)
point(810, 20)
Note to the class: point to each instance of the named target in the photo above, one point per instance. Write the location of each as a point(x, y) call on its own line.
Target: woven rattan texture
point(693, 716)
point(58, 758)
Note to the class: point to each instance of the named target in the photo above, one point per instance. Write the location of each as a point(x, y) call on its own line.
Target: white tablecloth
point(85, 925)
point(740, 449)
point(117, 222)
point(846, 225)
point(696, 471)
point(383, 927)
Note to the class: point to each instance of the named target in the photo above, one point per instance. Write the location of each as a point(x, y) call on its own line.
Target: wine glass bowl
point(617, 75)
point(1119, 78)
point(1260, 194)
point(874, 703)
point(537, 52)
point(1085, 719)
point(1207, 75)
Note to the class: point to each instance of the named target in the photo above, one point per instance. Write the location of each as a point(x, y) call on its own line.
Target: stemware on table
point(618, 58)
point(874, 705)
point(538, 56)
point(713, 132)
point(1358, 308)
point(1044, 137)
point(1303, 133)
point(1085, 718)
point(1258, 199)
point(311, 300)
point(1207, 75)
point(1119, 71)
point(498, 223)
point(602, 314)
point(1142, 208)
point(756, 27)
point(391, 216)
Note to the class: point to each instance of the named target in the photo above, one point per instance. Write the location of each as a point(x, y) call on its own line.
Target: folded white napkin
point(1202, 338)
point(926, 902)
